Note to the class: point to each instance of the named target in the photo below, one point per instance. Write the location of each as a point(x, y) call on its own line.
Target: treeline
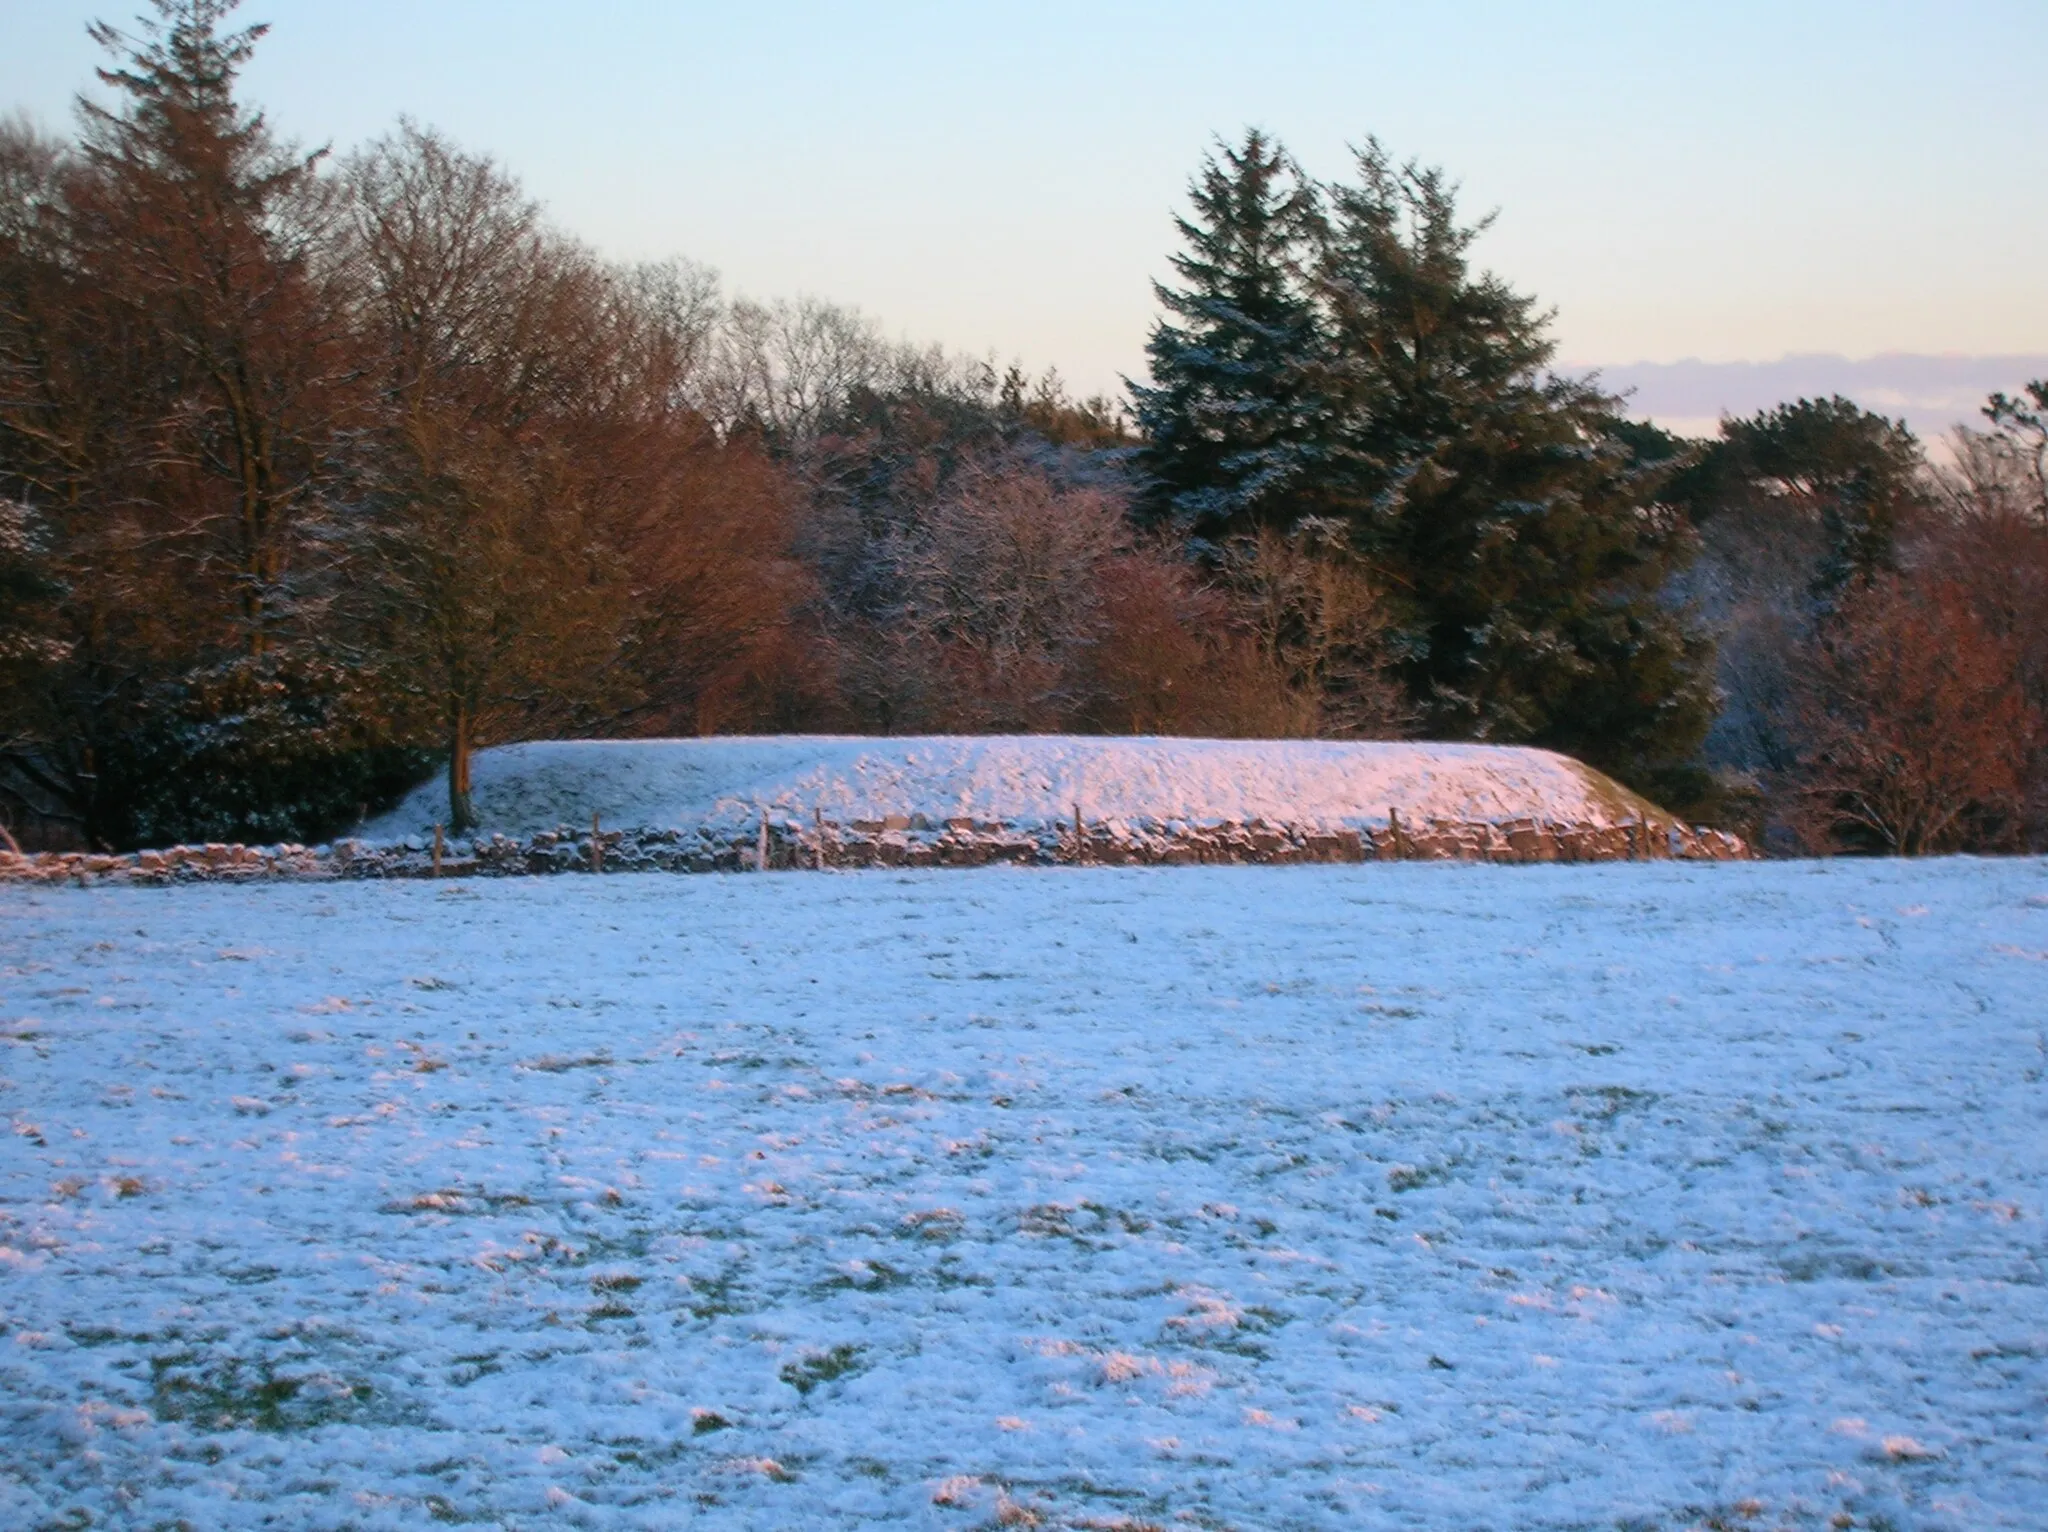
point(1803, 629)
point(1882, 626)
point(318, 473)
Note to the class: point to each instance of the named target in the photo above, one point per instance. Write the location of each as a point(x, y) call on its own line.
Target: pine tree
point(1230, 419)
point(1829, 462)
point(2022, 425)
point(1518, 531)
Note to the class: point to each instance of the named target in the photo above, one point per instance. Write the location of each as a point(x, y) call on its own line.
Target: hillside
point(1019, 781)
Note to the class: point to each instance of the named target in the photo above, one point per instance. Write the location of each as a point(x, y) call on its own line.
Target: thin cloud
point(1931, 394)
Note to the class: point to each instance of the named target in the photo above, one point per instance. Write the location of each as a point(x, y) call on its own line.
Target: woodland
point(321, 471)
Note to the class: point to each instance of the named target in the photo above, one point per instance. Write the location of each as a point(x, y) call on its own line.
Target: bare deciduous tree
point(994, 601)
point(1917, 734)
point(787, 364)
point(503, 597)
point(1319, 624)
point(201, 233)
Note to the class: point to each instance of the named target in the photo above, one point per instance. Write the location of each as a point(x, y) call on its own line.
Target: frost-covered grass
point(1417, 1196)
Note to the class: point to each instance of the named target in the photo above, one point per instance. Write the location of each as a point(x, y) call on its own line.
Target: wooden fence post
point(437, 851)
point(818, 819)
point(761, 851)
point(596, 845)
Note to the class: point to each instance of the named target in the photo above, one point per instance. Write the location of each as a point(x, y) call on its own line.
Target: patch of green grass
point(107, 1335)
point(635, 1452)
point(737, 1061)
point(820, 1367)
point(1849, 1265)
point(1085, 1223)
point(1607, 1102)
point(949, 1274)
point(1046, 1218)
point(1130, 1223)
point(881, 1276)
point(469, 1368)
point(712, 1297)
point(1280, 1165)
point(224, 1395)
point(1408, 1178)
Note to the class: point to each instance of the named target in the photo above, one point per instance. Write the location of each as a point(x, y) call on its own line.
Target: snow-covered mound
point(1022, 780)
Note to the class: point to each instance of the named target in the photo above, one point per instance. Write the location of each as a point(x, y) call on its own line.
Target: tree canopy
point(1337, 355)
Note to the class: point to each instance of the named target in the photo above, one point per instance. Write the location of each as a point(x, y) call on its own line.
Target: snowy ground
point(1389, 1196)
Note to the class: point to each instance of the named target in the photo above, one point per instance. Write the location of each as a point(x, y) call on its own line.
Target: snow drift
point(1020, 781)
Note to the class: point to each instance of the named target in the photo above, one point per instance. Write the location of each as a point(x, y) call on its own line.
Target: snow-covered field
point(1403, 1196)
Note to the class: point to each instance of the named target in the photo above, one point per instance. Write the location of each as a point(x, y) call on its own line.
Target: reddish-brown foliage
point(1919, 736)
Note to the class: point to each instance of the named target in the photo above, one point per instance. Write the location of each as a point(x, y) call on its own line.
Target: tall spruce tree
point(1231, 422)
point(1517, 529)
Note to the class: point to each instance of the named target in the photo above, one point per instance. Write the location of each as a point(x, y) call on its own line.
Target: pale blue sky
point(1727, 181)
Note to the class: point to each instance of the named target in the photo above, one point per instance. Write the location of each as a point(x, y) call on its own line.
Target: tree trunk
point(461, 813)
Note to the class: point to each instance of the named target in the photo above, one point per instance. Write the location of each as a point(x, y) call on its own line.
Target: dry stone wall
point(773, 843)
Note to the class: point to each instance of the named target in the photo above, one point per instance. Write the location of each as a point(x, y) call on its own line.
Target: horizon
point(1931, 393)
point(1732, 193)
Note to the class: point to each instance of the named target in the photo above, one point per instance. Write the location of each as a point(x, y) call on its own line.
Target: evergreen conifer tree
point(1854, 473)
point(1517, 530)
point(1230, 420)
